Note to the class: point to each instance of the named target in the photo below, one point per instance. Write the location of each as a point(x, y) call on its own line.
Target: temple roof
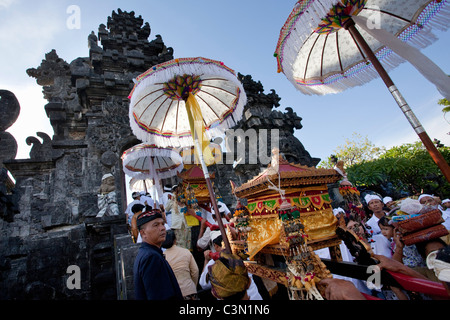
point(194, 174)
point(285, 175)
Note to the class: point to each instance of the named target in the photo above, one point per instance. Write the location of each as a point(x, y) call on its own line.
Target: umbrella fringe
point(187, 141)
point(422, 63)
point(202, 67)
point(131, 155)
point(216, 130)
point(135, 152)
point(305, 16)
point(136, 184)
point(437, 17)
point(198, 66)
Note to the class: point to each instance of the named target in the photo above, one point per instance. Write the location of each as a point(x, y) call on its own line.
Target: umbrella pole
point(212, 197)
point(409, 114)
point(145, 186)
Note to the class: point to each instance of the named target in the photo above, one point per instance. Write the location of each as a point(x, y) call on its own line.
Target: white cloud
point(4, 4)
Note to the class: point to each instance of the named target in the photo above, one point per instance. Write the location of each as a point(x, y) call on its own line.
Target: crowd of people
point(191, 246)
point(376, 224)
point(182, 257)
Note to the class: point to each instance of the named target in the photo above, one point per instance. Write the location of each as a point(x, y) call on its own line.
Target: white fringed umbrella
point(158, 111)
point(148, 162)
point(186, 102)
point(136, 184)
point(327, 46)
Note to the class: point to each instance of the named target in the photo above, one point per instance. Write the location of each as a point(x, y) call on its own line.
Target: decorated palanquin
point(288, 214)
point(304, 188)
point(193, 185)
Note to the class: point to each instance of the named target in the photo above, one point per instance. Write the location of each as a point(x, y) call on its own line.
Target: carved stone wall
point(57, 186)
point(48, 219)
point(9, 111)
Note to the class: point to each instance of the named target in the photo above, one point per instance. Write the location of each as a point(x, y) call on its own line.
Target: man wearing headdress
point(429, 200)
point(164, 200)
point(376, 205)
point(147, 200)
point(177, 207)
point(167, 195)
point(153, 277)
point(432, 202)
point(136, 200)
point(389, 202)
point(230, 280)
point(208, 233)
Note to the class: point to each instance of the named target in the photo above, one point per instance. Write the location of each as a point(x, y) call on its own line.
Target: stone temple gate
point(48, 216)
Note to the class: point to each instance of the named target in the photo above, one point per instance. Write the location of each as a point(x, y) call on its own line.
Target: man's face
point(376, 205)
point(154, 232)
point(428, 201)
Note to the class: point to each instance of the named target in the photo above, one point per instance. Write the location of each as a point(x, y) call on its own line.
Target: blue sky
point(243, 34)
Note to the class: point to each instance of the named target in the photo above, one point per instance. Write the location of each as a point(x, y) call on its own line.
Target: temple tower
point(48, 220)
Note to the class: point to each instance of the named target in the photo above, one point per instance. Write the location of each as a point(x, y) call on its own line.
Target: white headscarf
point(423, 195)
point(370, 197)
point(387, 199)
point(107, 176)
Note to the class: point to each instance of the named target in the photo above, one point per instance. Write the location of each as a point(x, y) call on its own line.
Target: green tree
point(444, 102)
point(407, 168)
point(354, 151)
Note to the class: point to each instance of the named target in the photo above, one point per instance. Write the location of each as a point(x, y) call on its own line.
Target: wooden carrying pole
point(409, 114)
point(212, 195)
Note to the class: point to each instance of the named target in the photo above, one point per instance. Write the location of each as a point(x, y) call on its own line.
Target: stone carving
point(53, 75)
point(107, 202)
point(9, 109)
point(255, 92)
point(8, 146)
point(9, 112)
point(109, 159)
point(40, 151)
point(8, 198)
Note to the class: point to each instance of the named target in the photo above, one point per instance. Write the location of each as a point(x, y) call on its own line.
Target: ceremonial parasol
point(140, 184)
point(327, 46)
point(185, 102)
point(148, 162)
